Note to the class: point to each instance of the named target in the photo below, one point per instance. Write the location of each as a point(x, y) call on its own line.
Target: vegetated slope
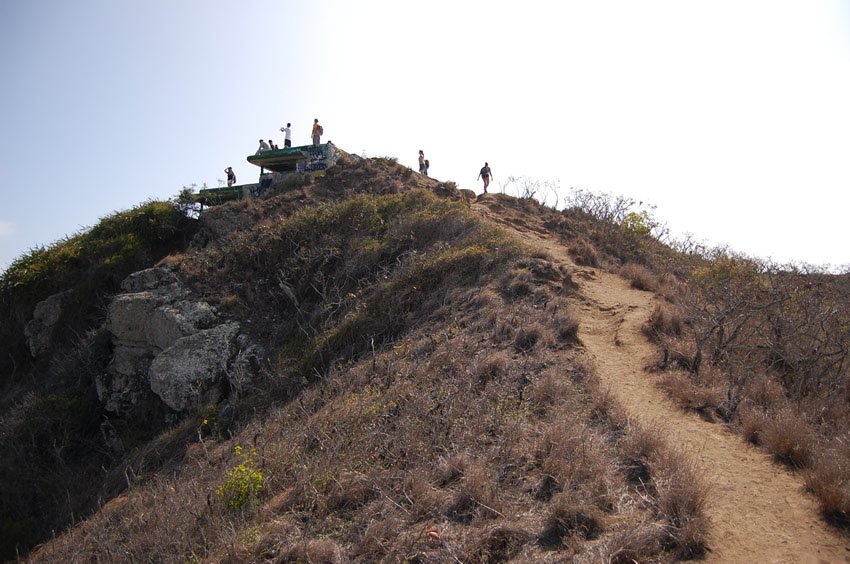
point(757, 510)
point(460, 417)
point(426, 396)
point(49, 413)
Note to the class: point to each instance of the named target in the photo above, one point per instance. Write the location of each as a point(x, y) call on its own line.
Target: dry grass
point(584, 253)
point(706, 399)
point(527, 338)
point(787, 436)
point(493, 367)
point(827, 479)
point(566, 327)
point(682, 498)
point(405, 456)
point(467, 432)
point(666, 320)
point(569, 521)
point(640, 277)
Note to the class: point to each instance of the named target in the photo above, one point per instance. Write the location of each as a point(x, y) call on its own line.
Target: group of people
point(316, 134)
point(485, 174)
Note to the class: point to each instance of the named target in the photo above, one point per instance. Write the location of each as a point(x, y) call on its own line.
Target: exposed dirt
point(758, 509)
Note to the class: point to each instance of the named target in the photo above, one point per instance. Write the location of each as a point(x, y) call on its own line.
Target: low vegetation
point(49, 414)
point(768, 350)
point(449, 441)
point(762, 347)
point(92, 263)
point(424, 397)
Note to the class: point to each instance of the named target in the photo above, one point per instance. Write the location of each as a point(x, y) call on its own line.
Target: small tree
point(187, 202)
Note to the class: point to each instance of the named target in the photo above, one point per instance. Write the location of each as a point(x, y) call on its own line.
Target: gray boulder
point(152, 279)
point(39, 331)
point(169, 347)
point(190, 372)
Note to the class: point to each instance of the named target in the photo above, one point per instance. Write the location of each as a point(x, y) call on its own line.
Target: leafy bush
point(244, 483)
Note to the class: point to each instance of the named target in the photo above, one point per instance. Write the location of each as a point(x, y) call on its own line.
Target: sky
point(731, 117)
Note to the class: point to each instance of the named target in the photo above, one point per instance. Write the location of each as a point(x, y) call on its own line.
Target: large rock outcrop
point(167, 345)
point(39, 331)
point(193, 369)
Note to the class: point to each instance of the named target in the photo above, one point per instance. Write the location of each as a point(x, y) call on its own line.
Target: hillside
point(371, 365)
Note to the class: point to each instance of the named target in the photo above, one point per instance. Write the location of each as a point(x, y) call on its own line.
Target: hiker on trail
point(318, 131)
point(421, 162)
point(427, 164)
point(485, 175)
point(287, 142)
point(231, 176)
point(263, 147)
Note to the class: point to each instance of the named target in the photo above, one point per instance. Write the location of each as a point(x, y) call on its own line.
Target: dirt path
point(758, 510)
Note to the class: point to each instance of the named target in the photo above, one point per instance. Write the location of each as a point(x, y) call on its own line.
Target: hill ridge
point(436, 388)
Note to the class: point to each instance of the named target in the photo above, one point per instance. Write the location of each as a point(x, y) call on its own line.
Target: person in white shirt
point(287, 142)
point(263, 147)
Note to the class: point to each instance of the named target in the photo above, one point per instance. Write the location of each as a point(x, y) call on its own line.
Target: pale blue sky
point(731, 116)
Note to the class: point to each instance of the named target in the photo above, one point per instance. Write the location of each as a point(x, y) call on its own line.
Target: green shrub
point(244, 482)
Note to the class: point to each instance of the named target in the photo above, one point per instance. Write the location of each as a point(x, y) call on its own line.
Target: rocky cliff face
point(170, 346)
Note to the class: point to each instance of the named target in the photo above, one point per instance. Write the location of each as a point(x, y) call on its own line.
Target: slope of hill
point(439, 378)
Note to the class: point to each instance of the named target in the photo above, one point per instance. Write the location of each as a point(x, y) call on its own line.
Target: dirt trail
point(758, 510)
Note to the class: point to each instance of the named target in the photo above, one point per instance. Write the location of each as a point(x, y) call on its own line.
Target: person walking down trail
point(263, 147)
point(485, 175)
point(318, 131)
point(427, 166)
point(421, 162)
point(231, 176)
point(287, 141)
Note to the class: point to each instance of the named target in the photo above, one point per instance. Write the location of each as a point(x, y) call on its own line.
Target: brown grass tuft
point(517, 283)
point(550, 389)
point(640, 446)
point(584, 253)
point(569, 518)
point(788, 437)
point(498, 544)
point(682, 499)
point(639, 276)
point(350, 491)
point(566, 327)
point(665, 319)
point(827, 480)
point(708, 398)
point(528, 337)
point(751, 423)
point(493, 367)
point(319, 551)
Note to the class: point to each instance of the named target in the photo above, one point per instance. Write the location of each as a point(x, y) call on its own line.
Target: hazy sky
point(731, 116)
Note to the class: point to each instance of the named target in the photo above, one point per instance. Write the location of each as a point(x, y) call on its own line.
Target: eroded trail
point(758, 510)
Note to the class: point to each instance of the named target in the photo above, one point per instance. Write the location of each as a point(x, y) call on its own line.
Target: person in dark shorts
point(231, 176)
point(485, 175)
point(287, 133)
point(421, 162)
